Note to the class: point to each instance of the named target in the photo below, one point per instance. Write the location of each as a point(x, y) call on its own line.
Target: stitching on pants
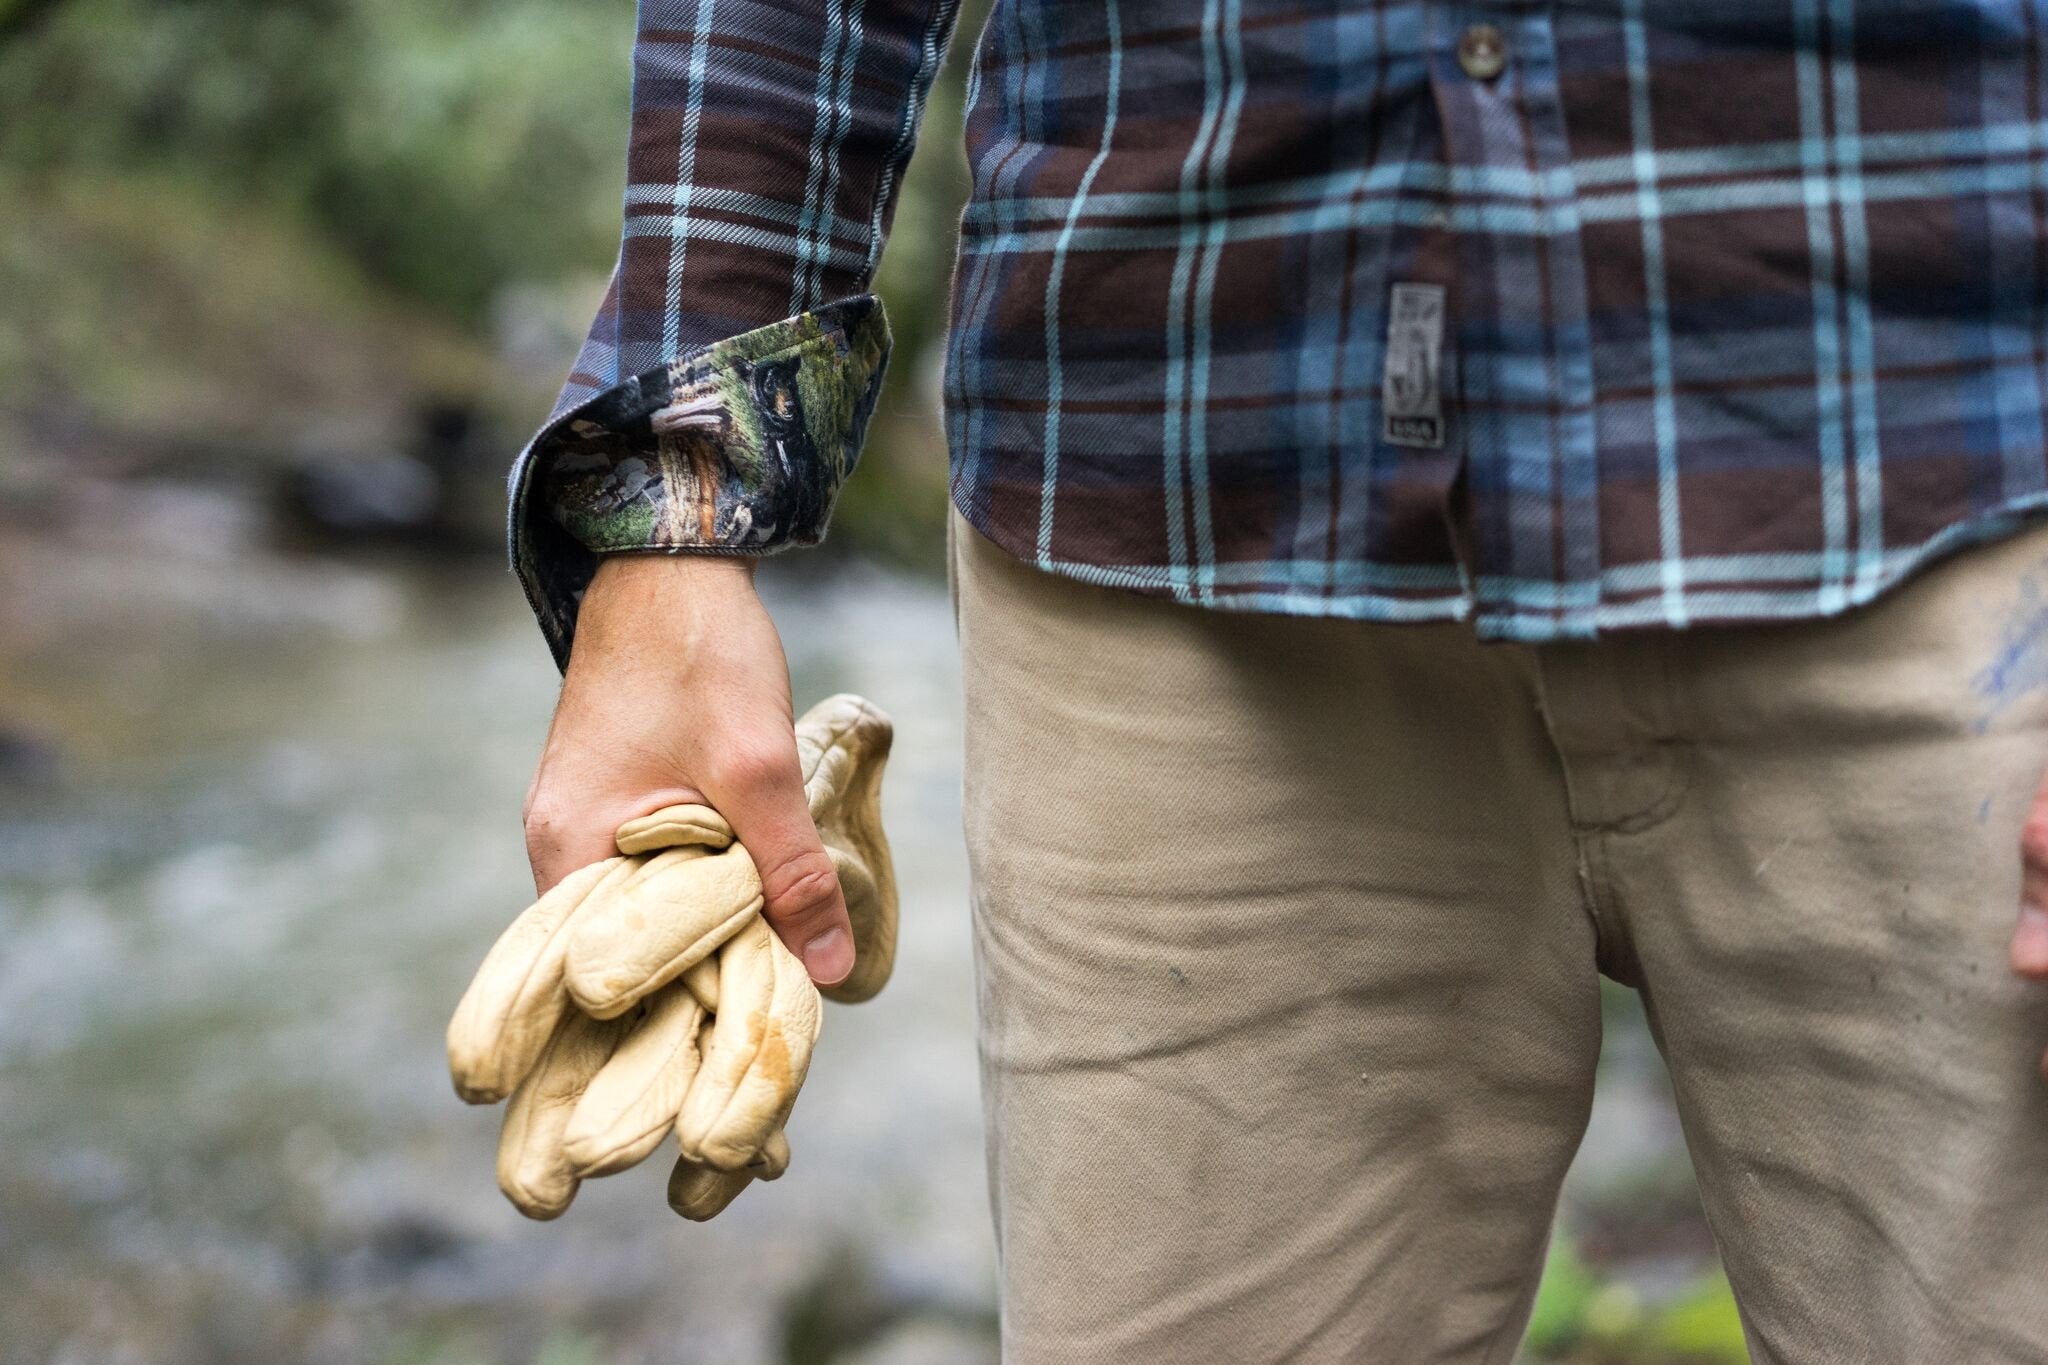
point(1589, 896)
point(1666, 805)
point(1614, 947)
point(1588, 903)
point(1669, 748)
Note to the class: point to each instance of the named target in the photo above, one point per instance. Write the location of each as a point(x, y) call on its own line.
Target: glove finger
point(700, 1193)
point(774, 1158)
point(858, 730)
point(674, 827)
point(702, 982)
point(533, 1168)
point(842, 746)
point(647, 929)
point(516, 998)
point(760, 1047)
point(631, 1104)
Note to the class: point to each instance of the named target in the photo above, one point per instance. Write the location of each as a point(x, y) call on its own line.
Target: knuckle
point(753, 765)
point(800, 886)
point(546, 824)
point(542, 811)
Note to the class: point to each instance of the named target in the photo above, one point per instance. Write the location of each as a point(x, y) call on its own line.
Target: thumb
point(764, 803)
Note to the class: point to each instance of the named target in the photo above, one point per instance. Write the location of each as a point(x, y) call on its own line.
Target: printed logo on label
point(1412, 395)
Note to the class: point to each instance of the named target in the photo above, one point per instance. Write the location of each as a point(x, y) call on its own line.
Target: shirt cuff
point(738, 448)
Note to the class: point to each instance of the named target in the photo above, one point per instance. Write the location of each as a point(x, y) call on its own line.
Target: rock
point(382, 495)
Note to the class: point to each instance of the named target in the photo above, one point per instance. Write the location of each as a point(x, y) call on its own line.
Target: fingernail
point(829, 956)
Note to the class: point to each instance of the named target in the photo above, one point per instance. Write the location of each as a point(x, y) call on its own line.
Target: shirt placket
point(1520, 322)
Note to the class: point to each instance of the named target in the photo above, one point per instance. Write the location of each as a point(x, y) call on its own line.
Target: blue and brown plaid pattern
point(768, 142)
point(1744, 302)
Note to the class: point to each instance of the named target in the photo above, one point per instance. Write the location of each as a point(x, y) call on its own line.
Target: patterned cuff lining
point(738, 447)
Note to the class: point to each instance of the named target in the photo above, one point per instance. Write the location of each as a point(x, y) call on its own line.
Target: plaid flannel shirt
point(1557, 317)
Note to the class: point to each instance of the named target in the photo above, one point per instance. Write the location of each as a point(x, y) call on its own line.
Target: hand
point(2030, 939)
point(645, 993)
point(677, 693)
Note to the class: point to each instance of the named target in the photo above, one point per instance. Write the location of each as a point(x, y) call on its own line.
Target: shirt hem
point(1728, 603)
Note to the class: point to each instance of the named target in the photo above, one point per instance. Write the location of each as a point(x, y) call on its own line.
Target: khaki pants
point(1289, 935)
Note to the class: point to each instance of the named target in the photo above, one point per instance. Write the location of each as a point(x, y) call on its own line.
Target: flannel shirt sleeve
point(725, 386)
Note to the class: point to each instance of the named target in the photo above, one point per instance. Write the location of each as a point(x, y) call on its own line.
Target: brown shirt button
point(1482, 52)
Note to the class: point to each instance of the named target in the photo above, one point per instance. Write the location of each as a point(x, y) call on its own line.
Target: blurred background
point(282, 289)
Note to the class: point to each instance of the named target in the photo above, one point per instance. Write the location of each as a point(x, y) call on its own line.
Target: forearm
point(723, 393)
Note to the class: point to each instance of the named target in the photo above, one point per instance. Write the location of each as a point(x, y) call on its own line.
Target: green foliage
point(1581, 1319)
point(1704, 1326)
point(569, 1348)
point(432, 1347)
point(447, 145)
point(1561, 1301)
point(155, 314)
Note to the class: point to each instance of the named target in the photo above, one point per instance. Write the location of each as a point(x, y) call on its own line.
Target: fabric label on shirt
point(1413, 391)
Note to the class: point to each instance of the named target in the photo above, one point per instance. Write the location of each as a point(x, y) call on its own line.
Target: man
point(1454, 499)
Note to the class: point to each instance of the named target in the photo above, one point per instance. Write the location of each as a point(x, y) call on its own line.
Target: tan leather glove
point(646, 992)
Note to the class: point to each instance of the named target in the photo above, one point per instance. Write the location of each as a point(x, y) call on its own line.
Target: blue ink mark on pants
point(2021, 664)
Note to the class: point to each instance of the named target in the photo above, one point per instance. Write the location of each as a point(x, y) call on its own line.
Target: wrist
point(665, 569)
point(656, 611)
point(630, 585)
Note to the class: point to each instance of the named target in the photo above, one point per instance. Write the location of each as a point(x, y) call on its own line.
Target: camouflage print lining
point(738, 447)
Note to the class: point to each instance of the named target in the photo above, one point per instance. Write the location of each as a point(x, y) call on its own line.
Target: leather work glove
point(646, 993)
